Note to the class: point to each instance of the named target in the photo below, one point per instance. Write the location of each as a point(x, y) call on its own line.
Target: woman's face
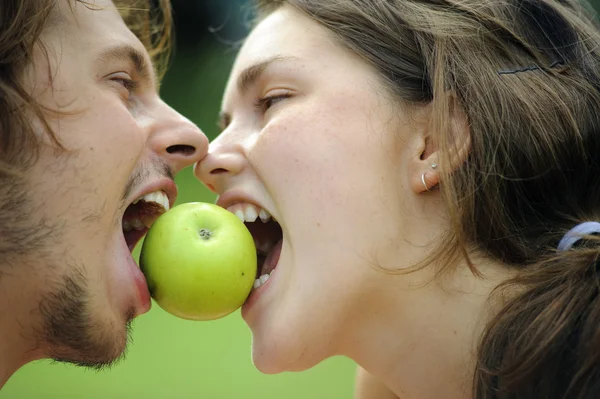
point(311, 137)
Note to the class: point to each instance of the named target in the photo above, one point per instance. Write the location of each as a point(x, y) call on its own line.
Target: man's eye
point(126, 81)
point(129, 84)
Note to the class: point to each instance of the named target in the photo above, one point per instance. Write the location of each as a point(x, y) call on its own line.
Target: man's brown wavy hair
point(21, 25)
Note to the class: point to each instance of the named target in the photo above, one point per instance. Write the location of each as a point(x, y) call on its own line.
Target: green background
point(169, 357)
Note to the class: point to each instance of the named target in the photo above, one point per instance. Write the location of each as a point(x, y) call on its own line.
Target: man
point(83, 135)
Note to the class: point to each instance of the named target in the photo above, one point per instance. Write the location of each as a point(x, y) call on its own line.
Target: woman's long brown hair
point(527, 75)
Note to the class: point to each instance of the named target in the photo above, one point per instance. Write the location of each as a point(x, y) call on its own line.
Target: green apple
point(199, 261)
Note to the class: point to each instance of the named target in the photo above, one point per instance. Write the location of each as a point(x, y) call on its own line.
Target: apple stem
point(205, 234)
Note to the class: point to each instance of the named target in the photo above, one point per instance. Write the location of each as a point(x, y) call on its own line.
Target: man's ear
point(445, 150)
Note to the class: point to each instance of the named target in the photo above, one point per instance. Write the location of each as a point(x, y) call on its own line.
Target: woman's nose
point(222, 162)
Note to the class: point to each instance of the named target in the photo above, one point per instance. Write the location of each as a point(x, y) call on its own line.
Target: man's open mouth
point(141, 214)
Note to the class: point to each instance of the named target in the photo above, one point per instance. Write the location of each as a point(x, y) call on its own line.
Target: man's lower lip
point(144, 300)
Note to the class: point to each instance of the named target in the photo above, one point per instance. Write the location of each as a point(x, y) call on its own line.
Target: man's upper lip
point(166, 185)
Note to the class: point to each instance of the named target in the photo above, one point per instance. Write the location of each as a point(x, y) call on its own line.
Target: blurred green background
point(169, 357)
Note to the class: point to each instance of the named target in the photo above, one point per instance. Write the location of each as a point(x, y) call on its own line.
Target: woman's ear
point(445, 150)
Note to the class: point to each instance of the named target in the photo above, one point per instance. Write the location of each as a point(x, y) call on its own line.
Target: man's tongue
point(272, 258)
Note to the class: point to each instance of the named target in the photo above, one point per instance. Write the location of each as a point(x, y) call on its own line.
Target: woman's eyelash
point(264, 103)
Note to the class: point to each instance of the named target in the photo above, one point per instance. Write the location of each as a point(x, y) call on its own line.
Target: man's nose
point(176, 139)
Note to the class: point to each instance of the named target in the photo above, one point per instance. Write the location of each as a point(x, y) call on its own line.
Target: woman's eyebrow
point(247, 78)
point(250, 75)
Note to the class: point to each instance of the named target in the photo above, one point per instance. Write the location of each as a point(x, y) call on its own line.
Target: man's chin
point(96, 355)
point(74, 331)
point(97, 364)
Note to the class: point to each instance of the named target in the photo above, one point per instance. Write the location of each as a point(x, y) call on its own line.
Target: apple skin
point(199, 261)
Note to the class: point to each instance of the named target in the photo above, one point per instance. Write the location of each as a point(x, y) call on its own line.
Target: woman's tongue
point(272, 258)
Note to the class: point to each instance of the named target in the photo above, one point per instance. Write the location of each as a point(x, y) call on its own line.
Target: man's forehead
point(92, 26)
point(98, 16)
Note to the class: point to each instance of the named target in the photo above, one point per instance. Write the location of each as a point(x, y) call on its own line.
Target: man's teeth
point(158, 196)
point(249, 213)
point(261, 280)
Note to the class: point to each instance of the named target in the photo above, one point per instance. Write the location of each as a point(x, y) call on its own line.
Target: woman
point(415, 165)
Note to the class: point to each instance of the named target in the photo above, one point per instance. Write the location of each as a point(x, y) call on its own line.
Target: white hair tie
point(577, 233)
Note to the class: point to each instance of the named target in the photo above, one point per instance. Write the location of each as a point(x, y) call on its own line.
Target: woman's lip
point(255, 296)
point(257, 293)
point(233, 197)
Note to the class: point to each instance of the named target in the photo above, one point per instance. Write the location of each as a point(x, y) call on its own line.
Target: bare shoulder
point(368, 387)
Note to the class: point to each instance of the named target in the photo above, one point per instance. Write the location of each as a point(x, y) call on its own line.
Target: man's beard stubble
point(73, 334)
point(19, 235)
point(68, 331)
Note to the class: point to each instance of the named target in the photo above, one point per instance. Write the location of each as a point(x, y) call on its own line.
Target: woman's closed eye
point(266, 102)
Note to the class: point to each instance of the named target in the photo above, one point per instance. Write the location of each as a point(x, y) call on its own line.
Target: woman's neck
point(421, 341)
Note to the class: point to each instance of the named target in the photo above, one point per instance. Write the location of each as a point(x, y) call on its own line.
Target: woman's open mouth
point(268, 238)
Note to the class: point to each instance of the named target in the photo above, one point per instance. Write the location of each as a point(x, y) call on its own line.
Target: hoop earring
point(423, 181)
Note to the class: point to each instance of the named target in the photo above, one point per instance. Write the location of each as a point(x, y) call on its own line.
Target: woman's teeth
point(261, 280)
point(249, 212)
point(264, 216)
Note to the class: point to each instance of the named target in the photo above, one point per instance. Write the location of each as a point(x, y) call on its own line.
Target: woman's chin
point(275, 358)
point(267, 358)
point(266, 368)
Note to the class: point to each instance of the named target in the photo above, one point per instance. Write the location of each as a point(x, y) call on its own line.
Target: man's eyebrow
point(252, 74)
point(126, 52)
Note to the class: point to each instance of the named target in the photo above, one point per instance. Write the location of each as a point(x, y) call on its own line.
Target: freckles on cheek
point(281, 152)
point(300, 157)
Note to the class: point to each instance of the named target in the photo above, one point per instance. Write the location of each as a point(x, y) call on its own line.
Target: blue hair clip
point(577, 233)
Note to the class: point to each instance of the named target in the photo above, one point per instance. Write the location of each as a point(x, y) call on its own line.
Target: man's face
point(78, 277)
